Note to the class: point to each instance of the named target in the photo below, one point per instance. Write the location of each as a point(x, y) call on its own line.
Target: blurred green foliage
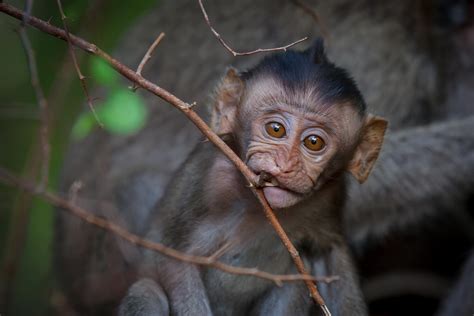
point(122, 112)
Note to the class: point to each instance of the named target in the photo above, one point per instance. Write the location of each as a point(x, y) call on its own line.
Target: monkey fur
point(302, 121)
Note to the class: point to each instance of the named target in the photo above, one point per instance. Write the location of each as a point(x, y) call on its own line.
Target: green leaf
point(73, 11)
point(102, 72)
point(124, 112)
point(83, 126)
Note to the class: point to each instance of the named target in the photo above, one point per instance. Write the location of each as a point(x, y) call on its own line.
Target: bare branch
point(82, 79)
point(233, 52)
point(186, 109)
point(10, 179)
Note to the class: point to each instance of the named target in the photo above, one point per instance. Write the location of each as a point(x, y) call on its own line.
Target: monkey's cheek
point(279, 198)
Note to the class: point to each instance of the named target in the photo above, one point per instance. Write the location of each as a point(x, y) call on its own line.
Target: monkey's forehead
point(268, 93)
point(267, 96)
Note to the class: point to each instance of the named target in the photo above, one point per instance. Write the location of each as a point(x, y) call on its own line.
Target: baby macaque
point(301, 122)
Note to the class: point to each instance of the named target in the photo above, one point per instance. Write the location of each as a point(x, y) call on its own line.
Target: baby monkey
point(301, 122)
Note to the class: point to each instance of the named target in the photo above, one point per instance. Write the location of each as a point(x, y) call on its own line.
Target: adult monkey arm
point(421, 171)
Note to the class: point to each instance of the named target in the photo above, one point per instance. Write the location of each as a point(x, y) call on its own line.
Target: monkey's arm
point(460, 301)
point(289, 299)
point(421, 171)
point(145, 297)
point(181, 292)
point(343, 297)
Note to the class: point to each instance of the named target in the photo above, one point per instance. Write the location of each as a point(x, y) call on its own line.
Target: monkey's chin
point(279, 198)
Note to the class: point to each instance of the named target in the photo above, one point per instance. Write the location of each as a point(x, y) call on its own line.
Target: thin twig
point(8, 178)
point(221, 251)
point(147, 57)
point(82, 78)
point(191, 115)
point(306, 8)
point(40, 97)
point(233, 52)
point(20, 217)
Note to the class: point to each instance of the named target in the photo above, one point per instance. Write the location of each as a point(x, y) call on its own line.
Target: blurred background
point(26, 223)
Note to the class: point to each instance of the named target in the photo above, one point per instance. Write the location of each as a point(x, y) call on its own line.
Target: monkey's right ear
point(227, 99)
point(369, 147)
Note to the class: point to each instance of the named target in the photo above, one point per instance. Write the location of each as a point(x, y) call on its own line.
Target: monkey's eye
point(314, 143)
point(275, 129)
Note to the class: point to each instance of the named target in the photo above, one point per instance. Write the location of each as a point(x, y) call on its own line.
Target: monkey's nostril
point(265, 176)
point(265, 179)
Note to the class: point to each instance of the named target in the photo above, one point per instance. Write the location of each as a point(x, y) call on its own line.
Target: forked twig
point(233, 52)
point(147, 57)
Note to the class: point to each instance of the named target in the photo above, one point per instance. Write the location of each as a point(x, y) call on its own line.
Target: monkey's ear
point(317, 53)
point(227, 99)
point(369, 147)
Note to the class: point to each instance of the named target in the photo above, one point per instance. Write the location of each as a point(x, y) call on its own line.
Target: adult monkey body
point(380, 45)
point(300, 122)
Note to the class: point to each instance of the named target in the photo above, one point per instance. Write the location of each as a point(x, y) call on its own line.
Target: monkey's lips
point(279, 198)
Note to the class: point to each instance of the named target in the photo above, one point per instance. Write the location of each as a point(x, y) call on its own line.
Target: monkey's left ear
point(227, 99)
point(369, 147)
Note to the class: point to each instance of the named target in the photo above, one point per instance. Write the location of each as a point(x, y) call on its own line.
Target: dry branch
point(233, 52)
point(193, 116)
point(82, 78)
point(10, 179)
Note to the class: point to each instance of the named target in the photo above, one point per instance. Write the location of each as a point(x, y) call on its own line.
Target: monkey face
point(299, 121)
point(293, 141)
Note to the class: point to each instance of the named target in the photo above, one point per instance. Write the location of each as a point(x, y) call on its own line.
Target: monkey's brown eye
point(314, 143)
point(275, 129)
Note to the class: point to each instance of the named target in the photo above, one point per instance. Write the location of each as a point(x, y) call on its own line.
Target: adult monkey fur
point(301, 122)
point(386, 46)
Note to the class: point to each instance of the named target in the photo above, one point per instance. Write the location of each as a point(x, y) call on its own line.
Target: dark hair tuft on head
point(297, 70)
point(317, 53)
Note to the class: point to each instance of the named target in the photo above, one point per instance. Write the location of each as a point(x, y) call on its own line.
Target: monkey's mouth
point(279, 197)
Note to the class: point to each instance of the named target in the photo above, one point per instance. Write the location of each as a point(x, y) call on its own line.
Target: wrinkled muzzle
point(287, 183)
